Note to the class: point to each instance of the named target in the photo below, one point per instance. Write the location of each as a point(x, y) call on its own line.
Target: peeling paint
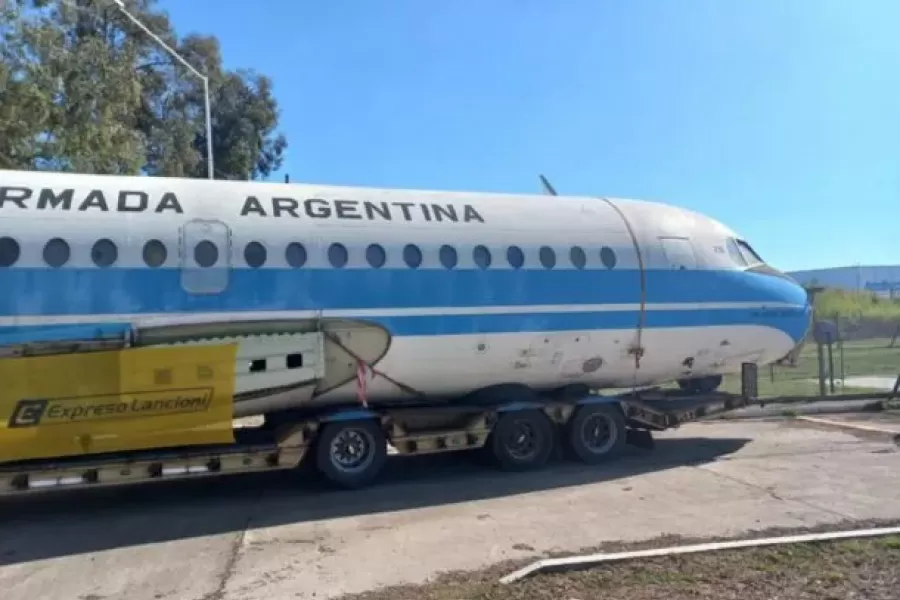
point(591, 364)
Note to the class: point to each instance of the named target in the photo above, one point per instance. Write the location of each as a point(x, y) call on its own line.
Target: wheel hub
point(598, 434)
point(351, 450)
point(522, 440)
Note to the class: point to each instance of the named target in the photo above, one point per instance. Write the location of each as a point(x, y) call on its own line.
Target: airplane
point(442, 296)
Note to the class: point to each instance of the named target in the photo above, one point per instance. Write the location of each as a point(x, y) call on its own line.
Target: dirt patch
point(865, 568)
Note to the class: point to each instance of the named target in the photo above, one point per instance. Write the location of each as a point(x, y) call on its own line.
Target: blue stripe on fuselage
point(18, 334)
point(790, 321)
point(39, 292)
point(117, 291)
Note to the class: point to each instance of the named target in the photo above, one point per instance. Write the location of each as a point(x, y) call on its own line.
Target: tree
point(83, 89)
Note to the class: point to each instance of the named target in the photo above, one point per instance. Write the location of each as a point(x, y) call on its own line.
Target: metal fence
point(839, 357)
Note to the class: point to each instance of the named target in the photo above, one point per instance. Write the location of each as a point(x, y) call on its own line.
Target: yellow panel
point(140, 398)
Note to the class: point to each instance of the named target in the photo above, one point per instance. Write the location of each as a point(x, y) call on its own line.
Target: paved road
point(270, 537)
point(773, 409)
point(885, 384)
point(887, 422)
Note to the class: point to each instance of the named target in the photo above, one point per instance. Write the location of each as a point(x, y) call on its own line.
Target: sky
point(781, 119)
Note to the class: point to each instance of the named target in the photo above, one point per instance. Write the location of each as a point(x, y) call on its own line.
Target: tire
point(596, 433)
point(512, 451)
point(337, 442)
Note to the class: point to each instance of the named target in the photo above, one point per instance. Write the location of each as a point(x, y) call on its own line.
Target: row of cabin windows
point(104, 253)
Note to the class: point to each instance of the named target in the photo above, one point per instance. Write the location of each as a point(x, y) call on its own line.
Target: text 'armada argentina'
point(134, 201)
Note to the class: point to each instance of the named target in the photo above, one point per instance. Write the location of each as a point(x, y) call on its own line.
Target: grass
point(866, 568)
point(860, 358)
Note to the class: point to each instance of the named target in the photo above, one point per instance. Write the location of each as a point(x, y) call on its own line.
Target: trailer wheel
point(351, 453)
point(522, 440)
point(596, 432)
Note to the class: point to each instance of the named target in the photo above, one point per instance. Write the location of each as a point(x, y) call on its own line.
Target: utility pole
point(203, 78)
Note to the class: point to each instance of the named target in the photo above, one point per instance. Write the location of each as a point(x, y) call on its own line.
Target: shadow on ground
point(76, 522)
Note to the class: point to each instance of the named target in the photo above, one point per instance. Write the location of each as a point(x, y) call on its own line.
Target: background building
point(883, 280)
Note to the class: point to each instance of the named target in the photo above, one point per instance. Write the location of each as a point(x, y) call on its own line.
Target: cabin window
point(206, 254)
point(515, 257)
point(482, 256)
point(448, 256)
point(155, 254)
point(578, 257)
point(57, 252)
point(608, 257)
point(104, 253)
point(255, 254)
point(412, 256)
point(9, 252)
point(295, 254)
point(376, 256)
point(338, 256)
point(548, 257)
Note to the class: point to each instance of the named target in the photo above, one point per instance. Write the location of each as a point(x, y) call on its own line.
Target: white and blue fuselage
point(471, 290)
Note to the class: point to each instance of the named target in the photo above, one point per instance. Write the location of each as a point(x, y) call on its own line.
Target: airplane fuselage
point(467, 290)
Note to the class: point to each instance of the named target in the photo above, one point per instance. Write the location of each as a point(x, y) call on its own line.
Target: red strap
point(361, 383)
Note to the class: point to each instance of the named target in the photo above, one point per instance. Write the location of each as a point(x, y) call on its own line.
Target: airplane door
point(679, 252)
point(205, 256)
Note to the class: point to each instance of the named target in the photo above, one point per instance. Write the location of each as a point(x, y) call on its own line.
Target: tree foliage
point(83, 89)
point(853, 305)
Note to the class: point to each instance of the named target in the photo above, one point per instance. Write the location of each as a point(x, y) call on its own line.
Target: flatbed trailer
point(349, 445)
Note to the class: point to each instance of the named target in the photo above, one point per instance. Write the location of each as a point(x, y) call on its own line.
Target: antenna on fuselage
point(547, 187)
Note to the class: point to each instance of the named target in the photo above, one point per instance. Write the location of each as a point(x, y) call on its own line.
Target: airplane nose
point(795, 312)
point(804, 316)
point(803, 299)
point(809, 309)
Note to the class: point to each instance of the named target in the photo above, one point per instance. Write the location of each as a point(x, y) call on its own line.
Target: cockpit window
point(749, 254)
point(735, 253)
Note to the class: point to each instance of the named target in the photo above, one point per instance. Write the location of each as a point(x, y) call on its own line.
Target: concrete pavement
point(275, 536)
